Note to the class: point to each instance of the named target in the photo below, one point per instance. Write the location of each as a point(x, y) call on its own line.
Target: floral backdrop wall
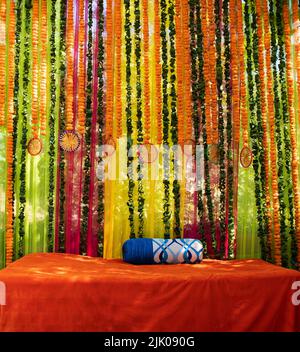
point(163, 118)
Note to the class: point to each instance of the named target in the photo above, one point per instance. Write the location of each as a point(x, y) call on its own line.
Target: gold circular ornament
point(246, 157)
point(147, 153)
point(34, 146)
point(69, 141)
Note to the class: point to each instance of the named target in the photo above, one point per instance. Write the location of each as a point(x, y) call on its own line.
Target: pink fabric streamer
point(92, 241)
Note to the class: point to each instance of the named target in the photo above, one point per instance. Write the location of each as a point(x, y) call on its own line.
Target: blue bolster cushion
point(161, 251)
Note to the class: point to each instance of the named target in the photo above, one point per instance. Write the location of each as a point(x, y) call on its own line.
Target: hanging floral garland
point(62, 112)
point(229, 169)
point(88, 123)
point(193, 6)
point(221, 127)
point(256, 131)
point(22, 161)
point(264, 113)
point(147, 118)
point(139, 113)
point(286, 137)
point(165, 117)
point(51, 123)
point(158, 70)
point(202, 101)
point(118, 31)
point(9, 142)
point(129, 124)
point(100, 121)
point(174, 119)
point(180, 71)
point(271, 122)
point(81, 70)
point(188, 124)
point(2, 63)
point(16, 89)
point(295, 19)
point(291, 94)
point(43, 72)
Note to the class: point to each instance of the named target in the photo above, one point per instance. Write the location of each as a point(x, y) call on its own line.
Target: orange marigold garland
point(35, 69)
point(207, 70)
point(2, 61)
point(147, 117)
point(9, 141)
point(109, 72)
point(265, 112)
point(290, 86)
point(43, 72)
point(81, 71)
point(118, 31)
point(70, 66)
point(273, 150)
point(158, 71)
point(235, 72)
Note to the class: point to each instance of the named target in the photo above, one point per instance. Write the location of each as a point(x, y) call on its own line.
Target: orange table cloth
point(61, 292)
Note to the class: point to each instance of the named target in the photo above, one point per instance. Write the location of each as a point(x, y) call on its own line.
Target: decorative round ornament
point(147, 153)
point(246, 157)
point(34, 146)
point(69, 141)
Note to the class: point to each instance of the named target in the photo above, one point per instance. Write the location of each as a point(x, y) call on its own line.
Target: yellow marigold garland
point(293, 134)
point(81, 71)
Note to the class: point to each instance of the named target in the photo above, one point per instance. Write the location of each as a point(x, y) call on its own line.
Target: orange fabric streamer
point(291, 94)
point(158, 71)
point(70, 68)
point(271, 120)
point(147, 119)
point(109, 72)
point(81, 71)
point(43, 72)
point(2, 62)
point(118, 30)
point(9, 142)
point(35, 70)
point(179, 72)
